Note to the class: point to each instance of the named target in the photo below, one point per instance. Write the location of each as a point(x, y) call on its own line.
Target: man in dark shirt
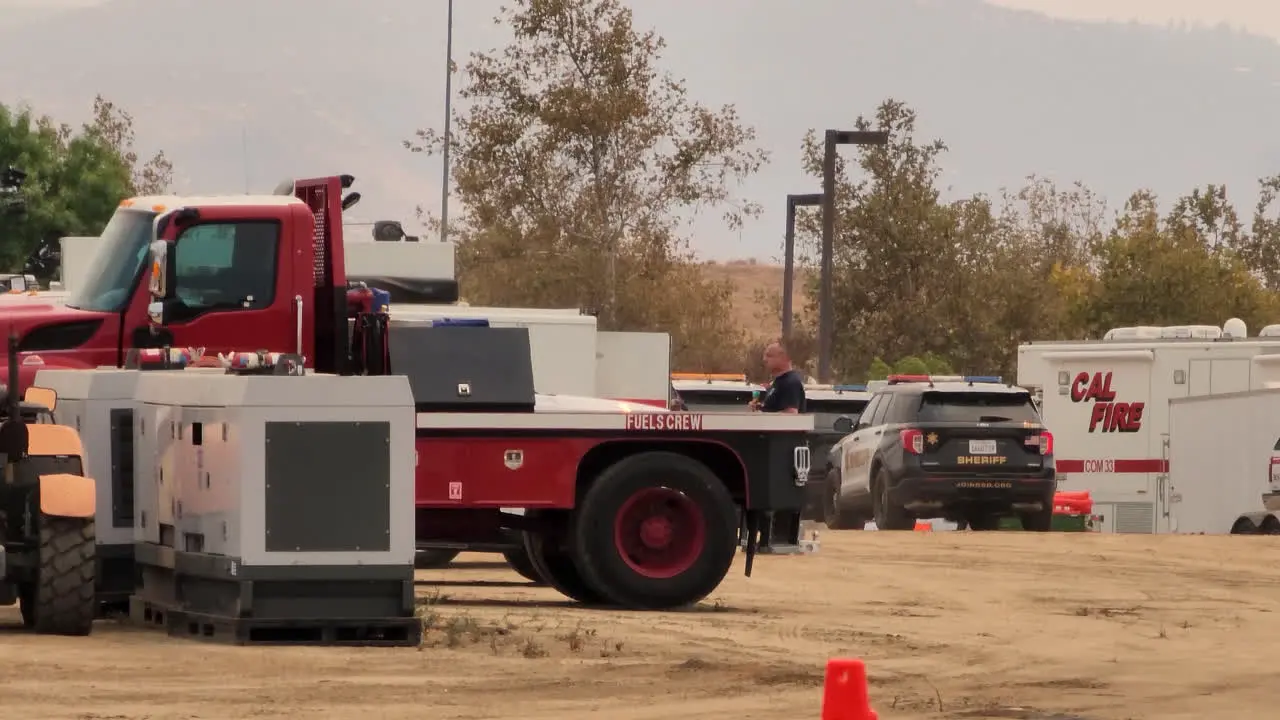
point(786, 392)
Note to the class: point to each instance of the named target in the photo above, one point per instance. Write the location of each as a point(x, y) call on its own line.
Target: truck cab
point(234, 275)
point(260, 271)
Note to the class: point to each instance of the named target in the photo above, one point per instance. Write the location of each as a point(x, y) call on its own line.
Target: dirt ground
point(951, 625)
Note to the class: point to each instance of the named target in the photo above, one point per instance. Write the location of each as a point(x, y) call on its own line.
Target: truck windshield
point(123, 249)
point(974, 407)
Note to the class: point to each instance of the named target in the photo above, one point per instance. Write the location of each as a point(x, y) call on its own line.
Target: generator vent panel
point(122, 467)
point(327, 486)
point(1135, 517)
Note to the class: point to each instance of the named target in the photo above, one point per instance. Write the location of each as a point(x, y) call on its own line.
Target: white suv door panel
point(857, 449)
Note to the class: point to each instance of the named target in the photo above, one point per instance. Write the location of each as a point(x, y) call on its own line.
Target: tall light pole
point(448, 122)
point(826, 319)
point(789, 256)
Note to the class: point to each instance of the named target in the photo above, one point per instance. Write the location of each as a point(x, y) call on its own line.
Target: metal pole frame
point(789, 257)
point(448, 121)
point(826, 314)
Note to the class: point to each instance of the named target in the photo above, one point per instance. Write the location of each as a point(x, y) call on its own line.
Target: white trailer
point(1107, 404)
point(1220, 462)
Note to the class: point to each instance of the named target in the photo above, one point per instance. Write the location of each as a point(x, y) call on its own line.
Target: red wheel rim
point(659, 532)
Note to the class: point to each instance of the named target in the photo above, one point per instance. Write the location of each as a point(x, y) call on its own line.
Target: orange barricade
point(1075, 502)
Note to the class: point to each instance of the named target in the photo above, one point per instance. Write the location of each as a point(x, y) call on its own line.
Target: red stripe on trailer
point(660, 402)
point(1116, 465)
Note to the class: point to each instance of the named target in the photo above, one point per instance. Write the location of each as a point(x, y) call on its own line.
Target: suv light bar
point(900, 379)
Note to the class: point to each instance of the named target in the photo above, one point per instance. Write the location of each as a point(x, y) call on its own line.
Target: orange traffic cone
point(922, 526)
point(844, 696)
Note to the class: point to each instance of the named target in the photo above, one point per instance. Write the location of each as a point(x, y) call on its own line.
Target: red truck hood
point(19, 318)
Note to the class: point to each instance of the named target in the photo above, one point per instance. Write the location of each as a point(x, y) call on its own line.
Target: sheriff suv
point(968, 449)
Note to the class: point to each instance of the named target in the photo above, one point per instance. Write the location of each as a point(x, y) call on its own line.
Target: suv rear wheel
point(1037, 521)
point(984, 520)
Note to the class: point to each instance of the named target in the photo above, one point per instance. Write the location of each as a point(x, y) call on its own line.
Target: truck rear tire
point(519, 560)
point(836, 517)
point(1270, 526)
point(888, 516)
point(63, 600)
point(556, 568)
point(434, 559)
point(655, 531)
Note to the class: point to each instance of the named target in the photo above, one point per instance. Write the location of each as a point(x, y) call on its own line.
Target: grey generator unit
point(275, 509)
point(99, 404)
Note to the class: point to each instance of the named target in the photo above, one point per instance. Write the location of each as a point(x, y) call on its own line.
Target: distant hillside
point(758, 320)
point(242, 93)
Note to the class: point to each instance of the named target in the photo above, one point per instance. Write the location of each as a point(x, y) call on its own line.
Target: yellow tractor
point(47, 506)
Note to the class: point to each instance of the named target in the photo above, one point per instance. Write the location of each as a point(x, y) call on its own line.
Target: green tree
point(1260, 249)
point(75, 181)
point(937, 365)
point(910, 271)
point(114, 126)
point(879, 370)
point(578, 161)
point(1176, 270)
point(911, 365)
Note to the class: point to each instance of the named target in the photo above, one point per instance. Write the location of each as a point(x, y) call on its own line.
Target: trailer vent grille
point(1132, 517)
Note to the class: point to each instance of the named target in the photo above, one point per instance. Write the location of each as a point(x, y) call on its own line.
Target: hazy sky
point(760, 239)
point(1260, 16)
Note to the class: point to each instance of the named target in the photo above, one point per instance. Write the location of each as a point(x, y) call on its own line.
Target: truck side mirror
point(163, 264)
point(844, 424)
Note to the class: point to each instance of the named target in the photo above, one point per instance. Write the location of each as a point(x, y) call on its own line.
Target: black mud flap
point(750, 536)
point(780, 534)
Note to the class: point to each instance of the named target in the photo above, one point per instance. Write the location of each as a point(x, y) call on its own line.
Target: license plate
point(982, 447)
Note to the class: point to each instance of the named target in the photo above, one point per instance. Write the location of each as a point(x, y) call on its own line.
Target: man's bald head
point(776, 358)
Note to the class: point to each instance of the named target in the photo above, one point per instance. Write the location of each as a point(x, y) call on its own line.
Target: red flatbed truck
point(633, 509)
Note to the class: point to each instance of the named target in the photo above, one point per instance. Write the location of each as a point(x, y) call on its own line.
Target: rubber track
point(65, 599)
